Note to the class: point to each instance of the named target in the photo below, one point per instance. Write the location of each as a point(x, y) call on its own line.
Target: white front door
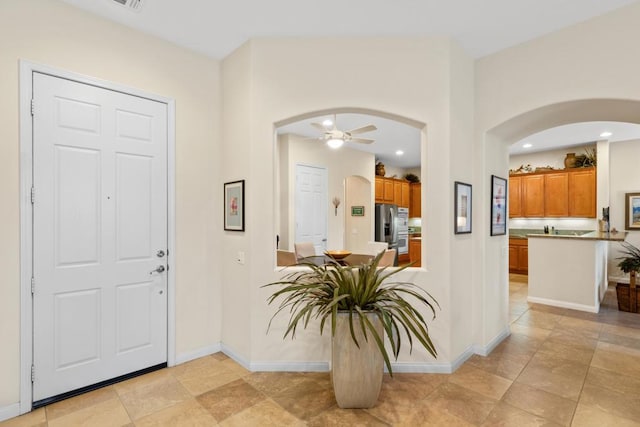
point(311, 206)
point(99, 233)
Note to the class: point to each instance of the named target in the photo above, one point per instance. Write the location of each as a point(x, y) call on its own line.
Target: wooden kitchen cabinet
point(415, 251)
point(556, 195)
point(582, 193)
point(515, 196)
point(415, 198)
point(518, 256)
point(384, 190)
point(533, 196)
point(401, 196)
point(570, 193)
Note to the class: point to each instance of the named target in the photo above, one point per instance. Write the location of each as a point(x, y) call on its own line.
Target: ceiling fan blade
point(362, 129)
point(319, 126)
point(362, 140)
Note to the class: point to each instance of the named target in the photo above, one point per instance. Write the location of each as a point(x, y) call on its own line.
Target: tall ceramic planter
point(356, 373)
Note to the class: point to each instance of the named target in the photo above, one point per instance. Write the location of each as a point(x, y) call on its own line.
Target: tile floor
point(559, 367)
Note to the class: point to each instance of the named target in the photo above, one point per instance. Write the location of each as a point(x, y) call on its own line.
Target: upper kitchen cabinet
point(533, 196)
point(391, 190)
point(415, 206)
point(515, 196)
point(557, 194)
point(582, 193)
point(401, 193)
point(384, 190)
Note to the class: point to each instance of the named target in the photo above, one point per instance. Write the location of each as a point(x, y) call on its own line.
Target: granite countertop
point(593, 235)
point(523, 233)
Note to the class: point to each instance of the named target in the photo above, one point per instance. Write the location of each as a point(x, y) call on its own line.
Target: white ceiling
point(388, 138)
point(215, 28)
point(576, 134)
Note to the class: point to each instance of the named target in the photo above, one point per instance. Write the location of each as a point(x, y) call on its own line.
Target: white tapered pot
point(356, 373)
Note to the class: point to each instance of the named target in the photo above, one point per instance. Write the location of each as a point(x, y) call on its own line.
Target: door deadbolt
point(160, 253)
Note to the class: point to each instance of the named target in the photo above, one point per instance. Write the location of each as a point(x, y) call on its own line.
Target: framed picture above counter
point(632, 211)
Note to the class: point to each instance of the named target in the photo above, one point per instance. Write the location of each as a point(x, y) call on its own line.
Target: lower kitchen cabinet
point(415, 251)
point(519, 256)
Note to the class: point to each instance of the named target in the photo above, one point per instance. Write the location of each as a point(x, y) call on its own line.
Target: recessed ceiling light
point(399, 153)
point(527, 145)
point(606, 134)
point(335, 142)
point(327, 123)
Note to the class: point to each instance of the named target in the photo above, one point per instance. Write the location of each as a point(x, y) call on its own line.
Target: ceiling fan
point(336, 137)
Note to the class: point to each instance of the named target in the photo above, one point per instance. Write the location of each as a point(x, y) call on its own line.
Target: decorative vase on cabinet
point(570, 160)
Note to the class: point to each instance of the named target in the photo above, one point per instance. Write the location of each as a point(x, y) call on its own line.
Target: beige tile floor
point(559, 367)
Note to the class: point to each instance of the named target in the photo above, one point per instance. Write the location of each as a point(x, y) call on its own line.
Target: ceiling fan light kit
point(335, 138)
point(335, 142)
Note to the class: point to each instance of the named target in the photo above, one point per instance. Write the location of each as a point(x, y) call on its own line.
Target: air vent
point(134, 5)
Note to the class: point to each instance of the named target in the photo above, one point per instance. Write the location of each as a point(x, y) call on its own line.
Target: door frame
point(27, 69)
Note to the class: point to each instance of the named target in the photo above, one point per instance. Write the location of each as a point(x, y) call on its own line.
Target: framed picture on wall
point(462, 208)
point(498, 206)
point(632, 211)
point(234, 206)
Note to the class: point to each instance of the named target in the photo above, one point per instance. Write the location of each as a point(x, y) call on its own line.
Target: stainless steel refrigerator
point(387, 226)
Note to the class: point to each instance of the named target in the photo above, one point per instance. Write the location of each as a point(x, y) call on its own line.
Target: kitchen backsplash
point(558, 223)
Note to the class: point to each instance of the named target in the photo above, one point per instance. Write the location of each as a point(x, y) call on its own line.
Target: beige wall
point(553, 80)
point(412, 78)
point(54, 34)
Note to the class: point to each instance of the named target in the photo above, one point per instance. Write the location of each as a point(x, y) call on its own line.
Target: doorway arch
point(496, 141)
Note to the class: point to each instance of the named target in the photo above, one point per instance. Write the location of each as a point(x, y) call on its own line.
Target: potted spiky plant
point(363, 305)
point(630, 263)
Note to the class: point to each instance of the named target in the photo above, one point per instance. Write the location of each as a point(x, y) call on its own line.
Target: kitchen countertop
point(593, 235)
point(523, 233)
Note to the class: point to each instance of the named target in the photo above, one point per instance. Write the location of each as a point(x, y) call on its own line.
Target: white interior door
point(311, 206)
point(99, 232)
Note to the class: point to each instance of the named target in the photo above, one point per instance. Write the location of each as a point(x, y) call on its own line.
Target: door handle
point(160, 269)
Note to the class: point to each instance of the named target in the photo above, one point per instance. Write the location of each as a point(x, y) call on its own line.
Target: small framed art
point(357, 210)
point(498, 206)
point(632, 211)
point(462, 208)
point(234, 206)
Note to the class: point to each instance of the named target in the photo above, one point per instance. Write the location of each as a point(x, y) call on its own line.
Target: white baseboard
point(564, 304)
point(289, 367)
point(484, 350)
point(9, 411)
point(196, 354)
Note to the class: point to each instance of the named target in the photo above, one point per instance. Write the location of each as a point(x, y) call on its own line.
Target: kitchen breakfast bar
point(569, 271)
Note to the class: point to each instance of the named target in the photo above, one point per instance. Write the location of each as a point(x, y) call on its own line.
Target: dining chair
point(374, 248)
point(304, 250)
point(388, 259)
point(286, 258)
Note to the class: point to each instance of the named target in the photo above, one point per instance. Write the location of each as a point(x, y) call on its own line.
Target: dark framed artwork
point(234, 205)
point(498, 206)
point(462, 208)
point(632, 211)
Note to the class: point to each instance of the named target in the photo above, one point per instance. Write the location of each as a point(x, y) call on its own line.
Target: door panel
point(311, 206)
point(99, 218)
point(77, 209)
